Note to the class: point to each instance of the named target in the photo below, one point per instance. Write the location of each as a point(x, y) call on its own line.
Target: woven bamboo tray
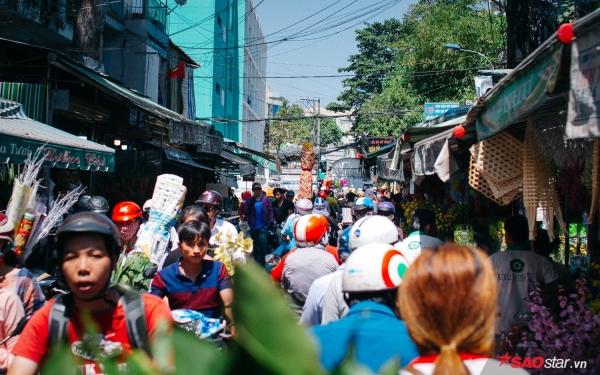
point(499, 158)
point(500, 192)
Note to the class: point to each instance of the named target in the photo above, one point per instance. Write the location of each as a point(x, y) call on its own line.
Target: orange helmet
point(126, 211)
point(310, 230)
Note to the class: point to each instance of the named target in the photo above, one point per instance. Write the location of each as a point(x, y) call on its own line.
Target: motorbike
point(51, 285)
point(204, 328)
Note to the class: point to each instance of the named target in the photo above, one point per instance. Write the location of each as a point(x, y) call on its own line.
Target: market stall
point(21, 136)
point(549, 107)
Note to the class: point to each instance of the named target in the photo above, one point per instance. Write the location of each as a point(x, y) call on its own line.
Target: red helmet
point(126, 211)
point(309, 230)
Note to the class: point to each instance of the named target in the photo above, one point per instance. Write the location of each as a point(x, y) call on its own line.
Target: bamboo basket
point(539, 189)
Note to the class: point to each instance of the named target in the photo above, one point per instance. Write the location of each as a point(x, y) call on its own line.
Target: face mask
point(128, 230)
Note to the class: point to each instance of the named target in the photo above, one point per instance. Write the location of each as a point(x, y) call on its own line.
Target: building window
point(218, 88)
point(219, 23)
point(223, 97)
point(249, 101)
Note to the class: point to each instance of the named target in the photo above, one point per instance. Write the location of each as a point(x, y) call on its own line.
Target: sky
point(315, 57)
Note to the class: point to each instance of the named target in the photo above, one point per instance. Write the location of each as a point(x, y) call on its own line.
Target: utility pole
point(318, 141)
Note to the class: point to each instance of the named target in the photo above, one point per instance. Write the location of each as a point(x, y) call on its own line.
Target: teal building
point(225, 38)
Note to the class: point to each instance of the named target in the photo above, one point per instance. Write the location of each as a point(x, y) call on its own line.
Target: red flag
point(178, 72)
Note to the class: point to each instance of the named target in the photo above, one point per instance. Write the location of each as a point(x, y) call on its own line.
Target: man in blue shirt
point(372, 328)
point(258, 211)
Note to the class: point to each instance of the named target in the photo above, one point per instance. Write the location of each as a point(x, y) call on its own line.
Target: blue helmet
point(386, 209)
point(365, 201)
point(344, 243)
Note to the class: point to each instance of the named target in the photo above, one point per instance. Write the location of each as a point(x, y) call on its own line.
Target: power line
point(305, 32)
point(423, 73)
point(231, 28)
point(294, 118)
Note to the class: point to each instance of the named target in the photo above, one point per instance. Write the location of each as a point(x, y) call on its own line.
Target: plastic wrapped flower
point(232, 249)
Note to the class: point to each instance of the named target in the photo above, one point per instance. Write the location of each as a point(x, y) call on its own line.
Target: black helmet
point(98, 204)
point(84, 203)
point(90, 222)
point(210, 197)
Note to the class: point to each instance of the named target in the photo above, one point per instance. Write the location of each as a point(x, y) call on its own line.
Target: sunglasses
point(208, 208)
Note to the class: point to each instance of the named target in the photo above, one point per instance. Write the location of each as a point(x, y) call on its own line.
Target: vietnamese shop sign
point(520, 96)
point(375, 143)
point(433, 110)
point(16, 150)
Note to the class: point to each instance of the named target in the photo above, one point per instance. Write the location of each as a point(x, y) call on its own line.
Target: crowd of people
point(353, 278)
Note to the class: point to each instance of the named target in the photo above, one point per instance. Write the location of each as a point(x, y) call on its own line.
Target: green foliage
point(372, 63)
point(292, 126)
point(331, 134)
point(130, 271)
point(288, 128)
point(266, 328)
point(424, 70)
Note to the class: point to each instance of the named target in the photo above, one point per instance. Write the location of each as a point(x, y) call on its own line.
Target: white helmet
point(303, 206)
point(372, 229)
point(373, 268)
point(320, 207)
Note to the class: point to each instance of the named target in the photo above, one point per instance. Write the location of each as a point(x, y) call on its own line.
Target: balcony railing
point(152, 10)
point(46, 12)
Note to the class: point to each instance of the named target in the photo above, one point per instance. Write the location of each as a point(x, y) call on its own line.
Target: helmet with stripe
point(311, 230)
point(375, 267)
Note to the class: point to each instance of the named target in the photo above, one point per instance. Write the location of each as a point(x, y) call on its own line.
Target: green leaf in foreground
point(60, 361)
point(198, 357)
point(267, 329)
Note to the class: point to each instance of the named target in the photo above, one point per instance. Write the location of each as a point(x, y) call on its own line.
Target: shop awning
point(418, 134)
point(245, 166)
point(21, 136)
point(534, 85)
point(433, 155)
point(181, 129)
point(233, 158)
point(260, 158)
point(426, 153)
point(542, 80)
point(265, 163)
point(111, 88)
point(184, 157)
point(382, 151)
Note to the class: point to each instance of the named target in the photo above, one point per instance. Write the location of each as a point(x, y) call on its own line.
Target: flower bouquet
point(232, 249)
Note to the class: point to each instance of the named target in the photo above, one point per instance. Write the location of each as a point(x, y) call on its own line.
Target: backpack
point(135, 319)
